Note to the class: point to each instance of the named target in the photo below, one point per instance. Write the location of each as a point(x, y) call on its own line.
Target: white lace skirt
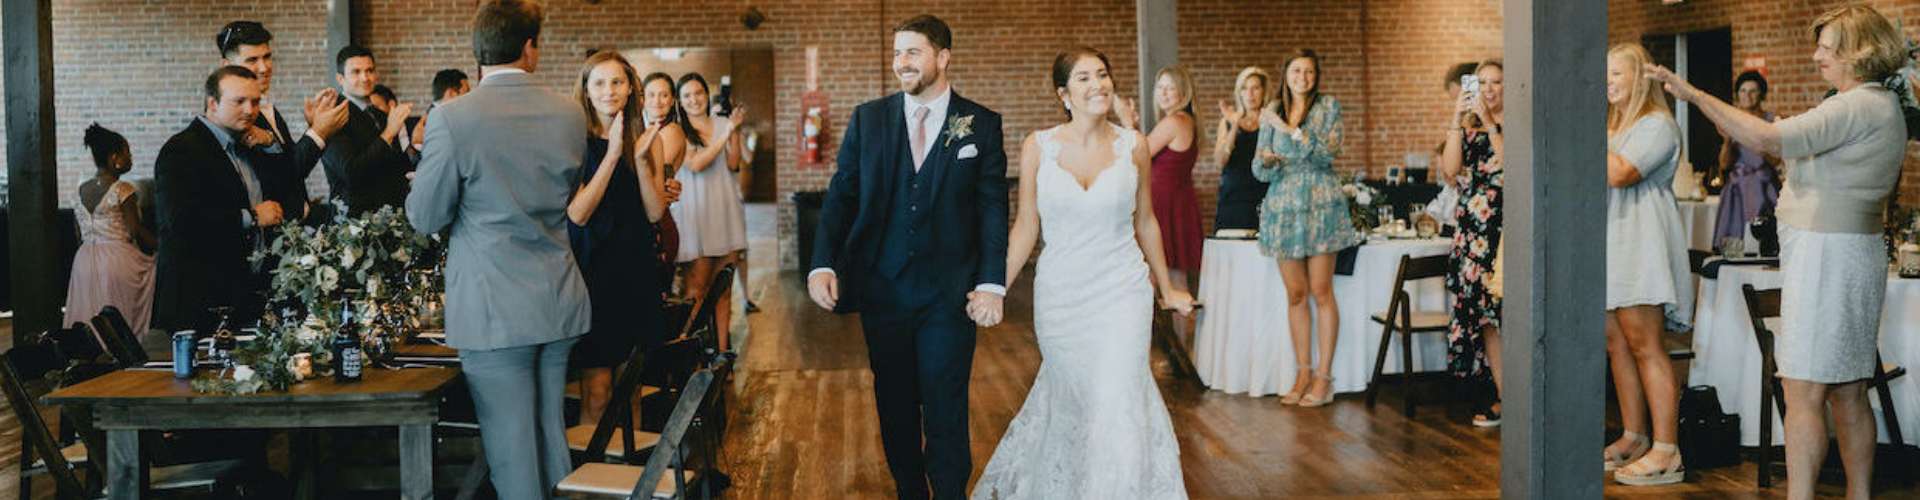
point(1830, 301)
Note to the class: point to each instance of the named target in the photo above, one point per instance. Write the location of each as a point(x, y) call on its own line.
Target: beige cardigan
point(1843, 158)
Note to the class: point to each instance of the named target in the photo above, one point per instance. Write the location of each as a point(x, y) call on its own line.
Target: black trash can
point(806, 208)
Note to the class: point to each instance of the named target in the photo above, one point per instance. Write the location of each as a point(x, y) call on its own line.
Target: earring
point(1068, 104)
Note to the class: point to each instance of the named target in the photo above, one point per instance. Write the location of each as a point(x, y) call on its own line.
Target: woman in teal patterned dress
point(1304, 220)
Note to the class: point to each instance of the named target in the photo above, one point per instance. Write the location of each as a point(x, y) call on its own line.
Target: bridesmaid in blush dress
point(110, 269)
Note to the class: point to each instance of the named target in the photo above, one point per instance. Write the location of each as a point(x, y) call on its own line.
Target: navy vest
point(905, 235)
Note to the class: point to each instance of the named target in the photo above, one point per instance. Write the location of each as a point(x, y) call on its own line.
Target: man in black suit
point(288, 159)
point(913, 235)
point(447, 85)
point(367, 164)
point(214, 207)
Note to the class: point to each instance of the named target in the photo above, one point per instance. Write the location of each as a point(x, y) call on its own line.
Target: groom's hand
point(984, 308)
point(825, 289)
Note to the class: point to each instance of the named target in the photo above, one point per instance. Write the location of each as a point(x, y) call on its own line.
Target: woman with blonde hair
point(1649, 287)
point(1173, 146)
point(610, 217)
point(1238, 204)
point(1304, 221)
point(1843, 158)
point(1470, 159)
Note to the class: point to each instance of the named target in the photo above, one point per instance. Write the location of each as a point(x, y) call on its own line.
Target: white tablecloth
point(1699, 217)
point(1727, 357)
point(1242, 344)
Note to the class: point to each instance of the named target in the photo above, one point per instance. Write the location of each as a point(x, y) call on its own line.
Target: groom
point(913, 235)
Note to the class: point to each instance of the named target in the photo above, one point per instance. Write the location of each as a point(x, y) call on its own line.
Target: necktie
point(919, 137)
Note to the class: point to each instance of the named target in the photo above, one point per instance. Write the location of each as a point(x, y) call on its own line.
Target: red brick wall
point(1775, 31)
point(137, 67)
point(1218, 38)
point(1411, 44)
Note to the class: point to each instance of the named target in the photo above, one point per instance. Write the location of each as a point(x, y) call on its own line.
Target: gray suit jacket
point(498, 166)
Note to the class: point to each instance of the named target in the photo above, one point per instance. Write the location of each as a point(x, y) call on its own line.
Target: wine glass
point(1386, 215)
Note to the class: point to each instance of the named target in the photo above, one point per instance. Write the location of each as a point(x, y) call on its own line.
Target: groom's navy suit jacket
point(919, 236)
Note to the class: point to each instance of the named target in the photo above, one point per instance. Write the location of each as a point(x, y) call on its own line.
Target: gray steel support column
point(1555, 348)
point(32, 189)
point(339, 26)
point(1159, 47)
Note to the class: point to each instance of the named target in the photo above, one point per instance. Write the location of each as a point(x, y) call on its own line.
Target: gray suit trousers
point(518, 393)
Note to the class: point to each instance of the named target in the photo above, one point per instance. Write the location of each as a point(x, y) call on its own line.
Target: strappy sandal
point(1640, 473)
point(1300, 382)
point(1488, 417)
point(1311, 400)
point(1641, 445)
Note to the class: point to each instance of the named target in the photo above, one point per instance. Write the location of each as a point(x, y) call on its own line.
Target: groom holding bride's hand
point(913, 235)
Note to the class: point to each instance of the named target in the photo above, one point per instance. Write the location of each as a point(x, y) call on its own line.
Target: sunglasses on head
point(235, 29)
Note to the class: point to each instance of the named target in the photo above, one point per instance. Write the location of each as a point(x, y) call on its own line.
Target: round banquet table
point(1242, 344)
point(1728, 358)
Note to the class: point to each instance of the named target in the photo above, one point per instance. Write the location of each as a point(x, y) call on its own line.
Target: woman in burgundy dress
point(1175, 206)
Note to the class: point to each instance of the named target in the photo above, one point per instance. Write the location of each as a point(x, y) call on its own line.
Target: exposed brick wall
point(137, 68)
point(1410, 46)
point(1775, 31)
point(1218, 38)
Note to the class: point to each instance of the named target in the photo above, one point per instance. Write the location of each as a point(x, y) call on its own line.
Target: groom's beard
point(919, 85)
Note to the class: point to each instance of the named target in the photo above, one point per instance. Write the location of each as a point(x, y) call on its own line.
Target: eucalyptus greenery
point(374, 263)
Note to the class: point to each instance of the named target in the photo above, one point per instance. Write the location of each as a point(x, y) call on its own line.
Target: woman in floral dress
point(1303, 220)
point(1472, 150)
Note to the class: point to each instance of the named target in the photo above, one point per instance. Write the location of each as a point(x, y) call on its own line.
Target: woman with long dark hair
point(610, 220)
point(710, 213)
point(1304, 221)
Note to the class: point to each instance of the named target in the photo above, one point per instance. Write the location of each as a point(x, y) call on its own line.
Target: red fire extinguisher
point(813, 128)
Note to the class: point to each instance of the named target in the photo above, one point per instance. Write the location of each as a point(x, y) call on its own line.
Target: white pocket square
point(968, 151)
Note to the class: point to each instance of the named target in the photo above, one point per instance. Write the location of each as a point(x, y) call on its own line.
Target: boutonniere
point(959, 127)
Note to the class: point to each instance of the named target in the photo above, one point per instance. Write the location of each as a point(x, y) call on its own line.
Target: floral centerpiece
point(375, 266)
point(1363, 202)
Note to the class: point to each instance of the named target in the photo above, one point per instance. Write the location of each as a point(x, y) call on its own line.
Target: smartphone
point(1470, 84)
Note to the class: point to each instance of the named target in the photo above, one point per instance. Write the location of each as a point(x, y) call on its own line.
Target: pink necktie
point(919, 137)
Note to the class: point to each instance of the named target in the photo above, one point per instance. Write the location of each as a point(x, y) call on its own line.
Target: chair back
point(121, 341)
point(703, 323)
point(1419, 268)
point(1762, 304)
point(619, 412)
point(19, 365)
point(670, 452)
point(1414, 269)
point(1697, 259)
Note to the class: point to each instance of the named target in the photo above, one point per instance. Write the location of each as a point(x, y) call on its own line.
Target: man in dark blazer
point(367, 164)
point(913, 235)
point(289, 159)
point(214, 209)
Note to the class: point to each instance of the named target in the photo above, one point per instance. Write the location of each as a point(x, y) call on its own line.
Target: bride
point(1093, 425)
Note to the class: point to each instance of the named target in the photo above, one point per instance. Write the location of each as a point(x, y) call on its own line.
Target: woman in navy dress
point(610, 222)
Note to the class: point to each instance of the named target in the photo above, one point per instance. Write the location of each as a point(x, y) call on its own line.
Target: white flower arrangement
point(317, 271)
point(1361, 207)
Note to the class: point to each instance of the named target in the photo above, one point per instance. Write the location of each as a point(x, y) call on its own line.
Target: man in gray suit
point(498, 168)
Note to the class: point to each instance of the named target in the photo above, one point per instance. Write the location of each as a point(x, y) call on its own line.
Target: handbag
point(1708, 436)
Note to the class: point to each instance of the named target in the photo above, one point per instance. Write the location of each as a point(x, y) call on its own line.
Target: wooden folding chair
point(1764, 304)
point(668, 458)
point(1400, 318)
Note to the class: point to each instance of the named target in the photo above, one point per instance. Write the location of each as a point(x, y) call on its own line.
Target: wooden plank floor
point(804, 426)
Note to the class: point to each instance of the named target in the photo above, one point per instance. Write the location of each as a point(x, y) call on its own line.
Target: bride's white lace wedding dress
point(1094, 425)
